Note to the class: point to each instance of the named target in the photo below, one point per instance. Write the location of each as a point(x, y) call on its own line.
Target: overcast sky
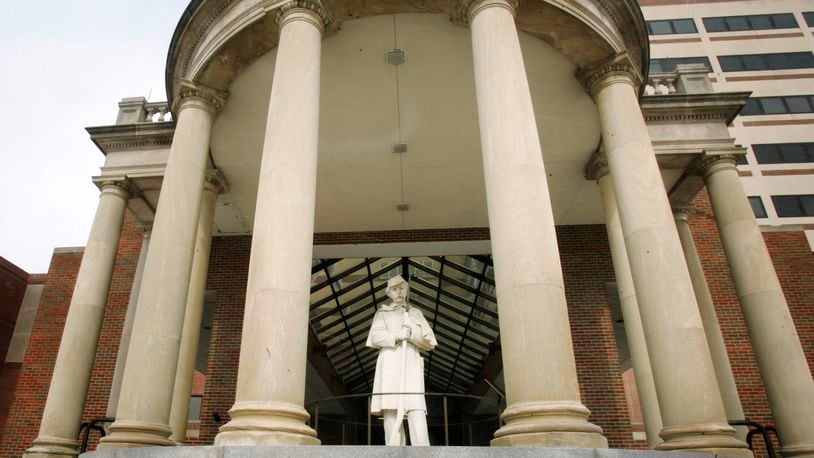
point(65, 65)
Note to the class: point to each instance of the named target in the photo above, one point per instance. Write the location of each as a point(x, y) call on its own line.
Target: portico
point(501, 107)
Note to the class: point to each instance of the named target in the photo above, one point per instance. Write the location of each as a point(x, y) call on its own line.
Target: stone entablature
point(209, 44)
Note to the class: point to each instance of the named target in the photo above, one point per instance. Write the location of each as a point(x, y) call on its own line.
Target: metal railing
point(763, 430)
point(313, 406)
point(94, 425)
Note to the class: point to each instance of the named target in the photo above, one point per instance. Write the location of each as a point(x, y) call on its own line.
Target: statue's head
point(397, 288)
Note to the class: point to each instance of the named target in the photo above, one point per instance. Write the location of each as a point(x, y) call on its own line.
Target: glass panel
point(754, 62)
point(775, 61)
point(809, 17)
point(767, 154)
point(794, 152)
point(752, 107)
point(784, 21)
point(730, 63)
point(808, 205)
point(800, 60)
point(773, 105)
point(798, 104)
point(656, 66)
point(760, 22)
point(684, 26)
point(194, 408)
point(757, 206)
point(660, 27)
point(787, 206)
point(742, 160)
point(737, 23)
point(714, 24)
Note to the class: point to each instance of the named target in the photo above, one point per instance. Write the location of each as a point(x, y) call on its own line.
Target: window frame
point(742, 23)
point(803, 202)
point(758, 208)
point(768, 61)
point(671, 25)
point(755, 103)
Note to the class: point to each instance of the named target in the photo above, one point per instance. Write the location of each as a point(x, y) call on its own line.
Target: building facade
point(566, 199)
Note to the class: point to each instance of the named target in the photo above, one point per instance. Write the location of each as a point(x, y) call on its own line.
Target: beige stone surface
point(692, 411)
point(62, 416)
point(268, 407)
point(630, 312)
point(717, 347)
point(783, 367)
point(143, 413)
point(543, 405)
point(193, 313)
point(127, 329)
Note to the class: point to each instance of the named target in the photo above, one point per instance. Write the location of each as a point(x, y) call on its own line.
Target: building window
point(669, 64)
point(671, 26)
point(194, 408)
point(757, 206)
point(809, 17)
point(794, 206)
point(742, 160)
point(779, 105)
point(784, 153)
point(776, 61)
point(753, 22)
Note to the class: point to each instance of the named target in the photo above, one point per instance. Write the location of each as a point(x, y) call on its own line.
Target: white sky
point(65, 65)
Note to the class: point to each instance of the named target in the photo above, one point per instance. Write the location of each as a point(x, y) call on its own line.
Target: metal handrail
point(369, 396)
point(92, 425)
point(761, 429)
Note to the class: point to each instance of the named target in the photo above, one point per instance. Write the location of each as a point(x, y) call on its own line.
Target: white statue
point(400, 332)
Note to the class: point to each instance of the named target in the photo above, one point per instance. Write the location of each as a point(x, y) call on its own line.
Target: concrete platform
point(381, 451)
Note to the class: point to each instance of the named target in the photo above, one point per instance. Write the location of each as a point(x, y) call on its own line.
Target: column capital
point(308, 11)
point(214, 181)
point(683, 212)
point(710, 163)
point(122, 187)
point(597, 167)
point(468, 9)
point(205, 97)
point(617, 69)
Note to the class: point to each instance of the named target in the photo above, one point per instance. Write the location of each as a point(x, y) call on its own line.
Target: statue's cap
point(397, 280)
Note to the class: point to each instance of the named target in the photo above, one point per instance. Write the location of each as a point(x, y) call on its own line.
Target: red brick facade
point(586, 266)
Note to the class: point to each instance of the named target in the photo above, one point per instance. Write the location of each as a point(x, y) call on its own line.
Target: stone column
point(127, 328)
point(783, 367)
point(144, 404)
point(62, 416)
point(270, 394)
point(543, 402)
point(691, 408)
point(194, 312)
point(717, 347)
point(630, 309)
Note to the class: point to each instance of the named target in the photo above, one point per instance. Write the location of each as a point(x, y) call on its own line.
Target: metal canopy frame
point(456, 294)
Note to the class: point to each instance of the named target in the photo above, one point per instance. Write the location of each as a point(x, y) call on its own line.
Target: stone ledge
point(381, 451)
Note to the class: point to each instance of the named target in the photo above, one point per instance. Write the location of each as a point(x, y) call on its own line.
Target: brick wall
point(13, 283)
point(37, 367)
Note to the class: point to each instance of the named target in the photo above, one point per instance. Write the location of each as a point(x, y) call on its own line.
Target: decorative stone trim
point(595, 77)
point(326, 20)
point(191, 90)
point(713, 163)
point(597, 167)
point(120, 186)
point(467, 9)
point(215, 181)
point(145, 144)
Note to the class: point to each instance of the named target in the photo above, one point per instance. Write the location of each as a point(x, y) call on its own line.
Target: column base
point(52, 447)
point(801, 451)
point(267, 424)
point(561, 424)
point(130, 434)
point(718, 439)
